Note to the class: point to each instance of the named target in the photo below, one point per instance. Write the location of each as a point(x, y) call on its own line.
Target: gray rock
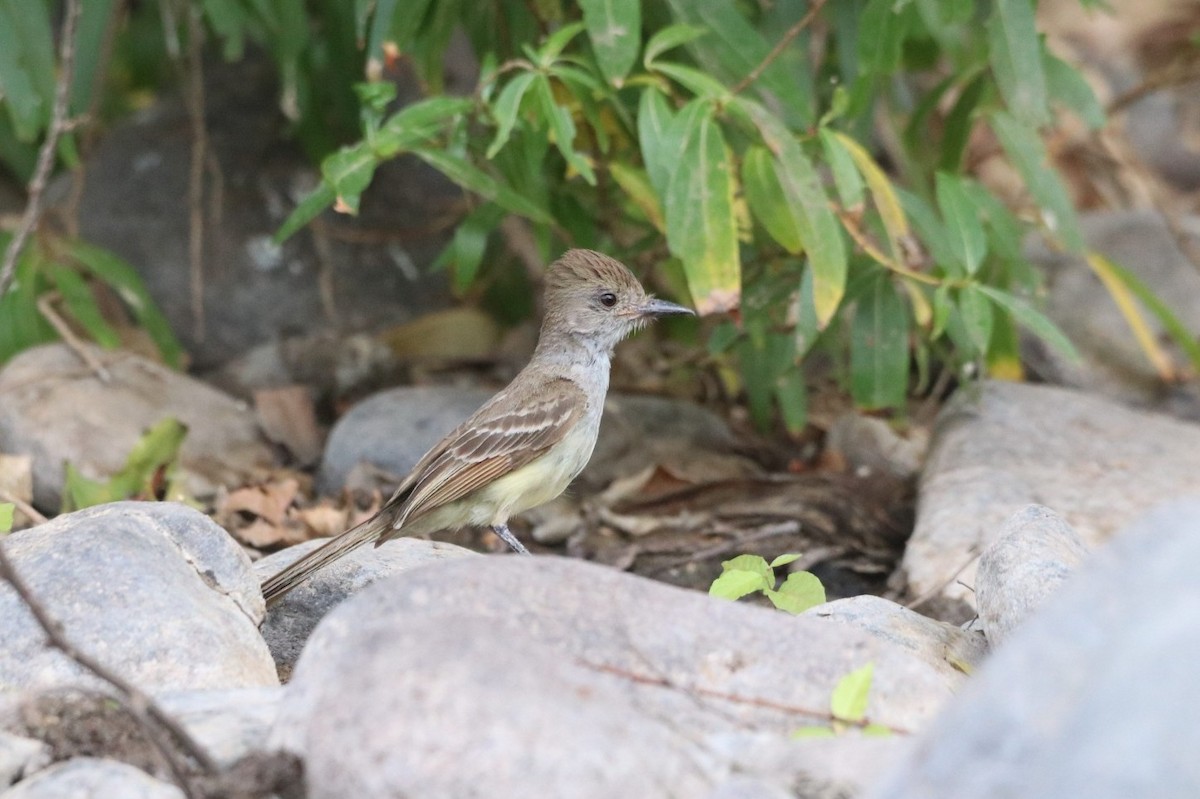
point(872, 446)
point(813, 768)
point(156, 591)
point(951, 650)
point(58, 412)
point(1001, 446)
point(512, 662)
point(19, 756)
point(254, 290)
point(229, 725)
point(1079, 303)
point(1095, 695)
point(393, 429)
point(92, 778)
point(291, 620)
point(1035, 553)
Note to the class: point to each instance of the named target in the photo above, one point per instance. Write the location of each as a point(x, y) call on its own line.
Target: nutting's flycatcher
point(529, 441)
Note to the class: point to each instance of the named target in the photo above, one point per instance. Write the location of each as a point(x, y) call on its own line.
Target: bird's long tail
point(277, 585)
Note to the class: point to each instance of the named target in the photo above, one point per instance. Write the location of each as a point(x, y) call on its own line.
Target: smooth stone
point(872, 446)
point(92, 778)
point(838, 767)
point(154, 590)
point(1035, 553)
point(1094, 695)
point(999, 447)
point(291, 620)
point(229, 724)
point(19, 756)
point(512, 662)
point(391, 430)
point(951, 650)
point(54, 409)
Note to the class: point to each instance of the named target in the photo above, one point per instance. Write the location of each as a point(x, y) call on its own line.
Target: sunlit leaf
point(742, 575)
point(783, 560)
point(850, 697)
point(799, 592)
point(6, 517)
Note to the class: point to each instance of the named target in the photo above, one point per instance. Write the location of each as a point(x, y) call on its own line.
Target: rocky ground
point(1018, 573)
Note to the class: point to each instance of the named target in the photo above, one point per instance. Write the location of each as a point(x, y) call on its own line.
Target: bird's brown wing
point(512, 429)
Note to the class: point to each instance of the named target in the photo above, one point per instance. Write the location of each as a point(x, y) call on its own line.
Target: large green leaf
point(879, 347)
point(615, 30)
point(701, 227)
point(1016, 56)
point(1029, 157)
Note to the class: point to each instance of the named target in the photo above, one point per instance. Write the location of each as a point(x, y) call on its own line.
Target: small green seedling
point(6, 517)
point(746, 574)
point(848, 707)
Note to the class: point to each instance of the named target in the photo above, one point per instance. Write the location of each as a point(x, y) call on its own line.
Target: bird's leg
point(510, 539)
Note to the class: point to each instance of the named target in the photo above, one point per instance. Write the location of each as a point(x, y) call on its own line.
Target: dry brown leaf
point(287, 417)
point(269, 502)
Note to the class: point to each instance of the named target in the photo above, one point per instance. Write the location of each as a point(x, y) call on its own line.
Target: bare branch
point(780, 46)
point(46, 156)
point(195, 107)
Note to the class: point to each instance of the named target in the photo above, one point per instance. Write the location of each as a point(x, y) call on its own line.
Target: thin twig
point(46, 156)
point(1175, 75)
point(142, 707)
point(24, 507)
point(195, 107)
point(780, 46)
point(937, 589)
point(45, 305)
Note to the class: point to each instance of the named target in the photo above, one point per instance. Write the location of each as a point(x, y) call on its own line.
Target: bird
point(529, 441)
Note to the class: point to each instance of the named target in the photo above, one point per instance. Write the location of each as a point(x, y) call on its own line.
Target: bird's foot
point(510, 539)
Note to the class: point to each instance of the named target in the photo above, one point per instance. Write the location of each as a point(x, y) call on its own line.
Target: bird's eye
point(608, 299)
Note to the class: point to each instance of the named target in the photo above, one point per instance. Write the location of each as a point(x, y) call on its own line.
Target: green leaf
point(849, 700)
point(785, 559)
point(655, 121)
point(807, 201)
point(669, 38)
point(883, 193)
point(962, 218)
point(845, 175)
point(792, 395)
point(121, 277)
point(742, 575)
point(814, 731)
point(1026, 316)
point(89, 48)
point(557, 42)
point(473, 179)
point(415, 123)
point(636, 185)
point(81, 304)
point(765, 197)
point(976, 313)
point(506, 108)
point(615, 30)
point(876, 731)
point(698, 83)
point(799, 592)
point(349, 172)
point(309, 209)
point(563, 128)
point(1029, 157)
point(25, 100)
point(1068, 86)
point(1017, 60)
point(701, 226)
point(467, 248)
point(6, 517)
point(155, 454)
point(959, 123)
point(879, 347)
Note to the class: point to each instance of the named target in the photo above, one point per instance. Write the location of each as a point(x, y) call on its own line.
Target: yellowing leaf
point(882, 192)
point(1128, 306)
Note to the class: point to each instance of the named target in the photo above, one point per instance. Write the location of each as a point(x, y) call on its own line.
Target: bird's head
point(596, 298)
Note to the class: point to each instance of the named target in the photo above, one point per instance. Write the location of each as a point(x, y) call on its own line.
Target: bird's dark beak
point(657, 307)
